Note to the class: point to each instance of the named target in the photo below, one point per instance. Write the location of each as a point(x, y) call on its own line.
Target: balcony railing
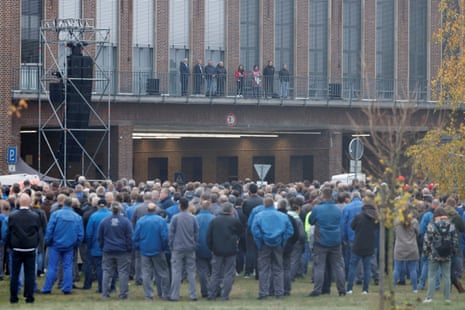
point(27, 79)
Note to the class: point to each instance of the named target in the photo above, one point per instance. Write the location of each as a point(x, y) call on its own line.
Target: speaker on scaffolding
point(78, 99)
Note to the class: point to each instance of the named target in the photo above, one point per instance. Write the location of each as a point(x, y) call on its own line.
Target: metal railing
point(171, 83)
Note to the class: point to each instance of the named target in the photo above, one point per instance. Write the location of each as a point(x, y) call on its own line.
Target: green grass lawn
point(243, 296)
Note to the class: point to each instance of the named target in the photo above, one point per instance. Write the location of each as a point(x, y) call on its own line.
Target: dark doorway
point(301, 168)
point(158, 168)
point(192, 168)
point(268, 160)
point(226, 169)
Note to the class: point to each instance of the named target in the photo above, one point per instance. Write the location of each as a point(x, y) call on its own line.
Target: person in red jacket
point(240, 79)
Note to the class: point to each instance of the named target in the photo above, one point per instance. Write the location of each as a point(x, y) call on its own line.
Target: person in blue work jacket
point(151, 239)
point(65, 232)
point(92, 240)
point(327, 243)
point(270, 230)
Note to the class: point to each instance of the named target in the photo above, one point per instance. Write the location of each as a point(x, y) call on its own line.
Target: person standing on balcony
point(256, 81)
point(283, 81)
point(268, 74)
point(240, 79)
point(184, 74)
point(198, 76)
point(221, 78)
point(210, 75)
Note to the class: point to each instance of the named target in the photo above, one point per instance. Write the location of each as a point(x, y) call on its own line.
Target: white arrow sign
point(262, 170)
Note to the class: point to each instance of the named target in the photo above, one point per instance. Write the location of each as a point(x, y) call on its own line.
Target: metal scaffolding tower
point(69, 112)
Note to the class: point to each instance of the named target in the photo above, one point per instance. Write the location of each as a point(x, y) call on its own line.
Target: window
point(249, 41)
point(318, 81)
point(351, 53)
point(179, 41)
point(384, 48)
point(31, 15)
point(107, 18)
point(284, 35)
point(143, 25)
point(214, 30)
point(418, 61)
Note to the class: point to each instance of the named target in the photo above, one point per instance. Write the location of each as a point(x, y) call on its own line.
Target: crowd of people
point(161, 233)
point(214, 78)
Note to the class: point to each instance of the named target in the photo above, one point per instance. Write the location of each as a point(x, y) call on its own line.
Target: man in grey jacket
point(183, 238)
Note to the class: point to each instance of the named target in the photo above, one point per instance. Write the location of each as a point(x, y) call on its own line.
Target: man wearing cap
point(151, 239)
point(115, 239)
point(22, 237)
point(92, 241)
point(65, 232)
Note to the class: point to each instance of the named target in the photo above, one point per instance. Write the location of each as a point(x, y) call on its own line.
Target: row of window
point(249, 23)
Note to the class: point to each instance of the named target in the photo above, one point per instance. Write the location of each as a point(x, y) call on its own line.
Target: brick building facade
point(335, 50)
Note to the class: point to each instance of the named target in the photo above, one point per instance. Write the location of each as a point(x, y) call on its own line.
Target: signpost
point(356, 153)
point(262, 170)
point(12, 158)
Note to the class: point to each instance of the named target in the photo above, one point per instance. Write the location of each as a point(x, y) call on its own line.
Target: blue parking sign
point(12, 155)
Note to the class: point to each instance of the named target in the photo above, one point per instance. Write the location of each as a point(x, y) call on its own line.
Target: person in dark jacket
point(198, 76)
point(283, 82)
point(23, 237)
point(365, 226)
point(184, 76)
point(115, 239)
point(268, 76)
point(210, 76)
point(288, 249)
point(221, 79)
point(222, 238)
point(251, 249)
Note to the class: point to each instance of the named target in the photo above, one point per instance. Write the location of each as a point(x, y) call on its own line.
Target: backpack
point(442, 238)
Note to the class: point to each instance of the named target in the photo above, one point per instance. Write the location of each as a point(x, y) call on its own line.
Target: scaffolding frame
point(58, 35)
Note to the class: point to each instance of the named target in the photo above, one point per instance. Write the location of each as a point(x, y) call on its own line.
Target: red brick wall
point(197, 31)
point(435, 54)
point(10, 17)
point(161, 40)
point(402, 52)
point(301, 32)
point(125, 45)
point(368, 46)
point(233, 25)
point(267, 31)
point(335, 41)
